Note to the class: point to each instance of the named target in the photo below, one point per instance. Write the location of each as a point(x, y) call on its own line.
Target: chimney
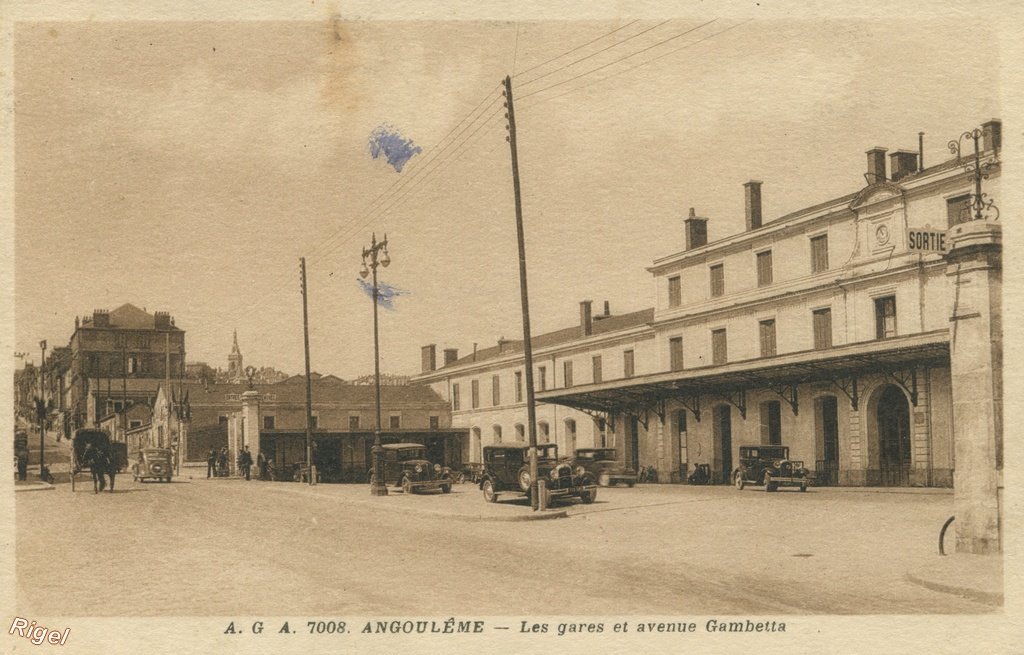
point(502, 342)
point(428, 358)
point(162, 320)
point(992, 135)
point(606, 314)
point(902, 163)
point(450, 355)
point(696, 231)
point(876, 166)
point(752, 194)
point(586, 319)
point(101, 318)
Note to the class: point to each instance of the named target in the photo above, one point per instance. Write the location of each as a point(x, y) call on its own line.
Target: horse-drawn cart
point(94, 451)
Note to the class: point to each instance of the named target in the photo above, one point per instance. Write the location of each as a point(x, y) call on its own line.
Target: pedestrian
point(22, 456)
point(211, 463)
point(261, 460)
point(222, 462)
point(245, 461)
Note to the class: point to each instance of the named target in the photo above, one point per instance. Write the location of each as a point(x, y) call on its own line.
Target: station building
point(863, 332)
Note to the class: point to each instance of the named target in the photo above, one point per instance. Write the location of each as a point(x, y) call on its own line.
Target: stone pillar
point(234, 439)
point(251, 418)
point(974, 268)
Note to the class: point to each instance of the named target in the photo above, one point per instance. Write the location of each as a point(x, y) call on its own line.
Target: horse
point(100, 462)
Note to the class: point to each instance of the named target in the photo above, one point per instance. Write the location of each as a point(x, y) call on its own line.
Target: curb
point(987, 597)
point(35, 486)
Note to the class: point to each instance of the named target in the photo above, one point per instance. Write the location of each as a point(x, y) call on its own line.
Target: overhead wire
point(569, 52)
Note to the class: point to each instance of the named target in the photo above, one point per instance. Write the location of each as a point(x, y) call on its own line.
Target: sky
point(187, 166)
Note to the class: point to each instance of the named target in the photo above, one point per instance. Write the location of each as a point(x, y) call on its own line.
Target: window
point(885, 317)
point(819, 253)
point(495, 390)
point(314, 421)
point(675, 292)
point(597, 368)
point(520, 432)
point(545, 432)
point(133, 365)
point(822, 328)
point(601, 428)
point(958, 210)
point(268, 422)
point(223, 420)
point(395, 421)
point(435, 422)
point(134, 424)
point(455, 396)
point(771, 423)
point(627, 364)
point(567, 373)
point(353, 422)
point(717, 280)
point(764, 268)
point(474, 389)
point(767, 333)
point(497, 434)
point(519, 386)
point(542, 378)
point(719, 347)
point(675, 353)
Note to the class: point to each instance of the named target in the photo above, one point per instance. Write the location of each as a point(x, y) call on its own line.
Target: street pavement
point(217, 547)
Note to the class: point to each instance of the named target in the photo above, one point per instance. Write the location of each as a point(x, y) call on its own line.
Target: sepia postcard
point(462, 327)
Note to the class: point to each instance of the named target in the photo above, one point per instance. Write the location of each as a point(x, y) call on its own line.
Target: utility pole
point(531, 410)
point(124, 386)
point(309, 382)
point(41, 410)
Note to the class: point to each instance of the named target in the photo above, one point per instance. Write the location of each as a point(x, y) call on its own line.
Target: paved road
point(230, 547)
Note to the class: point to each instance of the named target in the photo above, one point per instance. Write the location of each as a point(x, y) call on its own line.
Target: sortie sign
point(926, 240)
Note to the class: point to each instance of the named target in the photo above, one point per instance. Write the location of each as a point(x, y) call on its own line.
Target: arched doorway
point(893, 420)
point(826, 419)
point(721, 468)
point(570, 437)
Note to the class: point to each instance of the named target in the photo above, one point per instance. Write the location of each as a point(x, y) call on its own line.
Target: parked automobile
point(507, 470)
point(770, 466)
point(604, 466)
point(406, 466)
point(153, 463)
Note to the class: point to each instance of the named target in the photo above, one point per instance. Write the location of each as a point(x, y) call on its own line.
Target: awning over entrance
point(899, 358)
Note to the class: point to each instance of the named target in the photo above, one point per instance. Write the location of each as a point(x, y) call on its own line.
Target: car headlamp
point(419, 468)
point(580, 471)
point(437, 468)
point(554, 473)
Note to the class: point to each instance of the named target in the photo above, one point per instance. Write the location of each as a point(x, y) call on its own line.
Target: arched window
point(520, 432)
point(570, 436)
point(497, 434)
point(544, 432)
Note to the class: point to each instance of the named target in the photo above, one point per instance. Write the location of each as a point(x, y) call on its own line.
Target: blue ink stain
point(386, 293)
point(397, 149)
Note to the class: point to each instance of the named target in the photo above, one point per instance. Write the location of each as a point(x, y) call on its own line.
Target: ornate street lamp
point(981, 205)
point(42, 410)
point(376, 254)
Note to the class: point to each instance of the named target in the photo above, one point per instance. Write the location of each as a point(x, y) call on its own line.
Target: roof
point(601, 325)
point(328, 389)
point(129, 317)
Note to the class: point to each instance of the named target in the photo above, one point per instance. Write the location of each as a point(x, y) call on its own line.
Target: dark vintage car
point(406, 465)
point(153, 464)
point(770, 466)
point(507, 470)
point(604, 466)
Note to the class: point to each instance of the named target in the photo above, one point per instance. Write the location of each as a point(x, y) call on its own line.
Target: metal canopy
point(841, 366)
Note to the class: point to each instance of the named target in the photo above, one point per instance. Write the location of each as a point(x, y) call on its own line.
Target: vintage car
point(153, 463)
point(406, 465)
point(603, 465)
point(770, 466)
point(507, 469)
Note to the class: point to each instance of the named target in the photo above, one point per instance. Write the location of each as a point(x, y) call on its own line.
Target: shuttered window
point(598, 377)
point(567, 373)
point(475, 389)
point(627, 364)
point(719, 347)
point(717, 280)
point(495, 390)
point(822, 328)
point(885, 317)
point(819, 253)
point(767, 334)
point(675, 292)
point(764, 268)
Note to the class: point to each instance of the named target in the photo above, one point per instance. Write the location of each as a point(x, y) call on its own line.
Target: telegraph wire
point(643, 63)
point(569, 52)
point(629, 56)
point(593, 54)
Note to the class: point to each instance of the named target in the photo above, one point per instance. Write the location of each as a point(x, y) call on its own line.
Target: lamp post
point(376, 254)
point(981, 206)
point(41, 411)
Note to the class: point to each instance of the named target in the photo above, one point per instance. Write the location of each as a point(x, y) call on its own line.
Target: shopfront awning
point(899, 358)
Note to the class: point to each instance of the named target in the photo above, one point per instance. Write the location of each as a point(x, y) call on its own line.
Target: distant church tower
point(235, 369)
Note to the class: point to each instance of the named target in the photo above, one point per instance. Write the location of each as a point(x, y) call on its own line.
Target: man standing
point(245, 462)
point(261, 461)
point(211, 462)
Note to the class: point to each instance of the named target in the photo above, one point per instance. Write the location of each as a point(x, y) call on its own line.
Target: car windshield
point(546, 451)
point(406, 454)
point(768, 452)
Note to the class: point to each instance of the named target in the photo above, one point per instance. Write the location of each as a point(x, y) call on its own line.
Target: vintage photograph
point(378, 328)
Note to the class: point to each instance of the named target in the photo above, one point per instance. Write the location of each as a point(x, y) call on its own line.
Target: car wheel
point(740, 482)
point(604, 480)
point(489, 494)
point(588, 496)
point(630, 484)
point(803, 487)
point(407, 486)
point(524, 479)
point(446, 488)
point(769, 486)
